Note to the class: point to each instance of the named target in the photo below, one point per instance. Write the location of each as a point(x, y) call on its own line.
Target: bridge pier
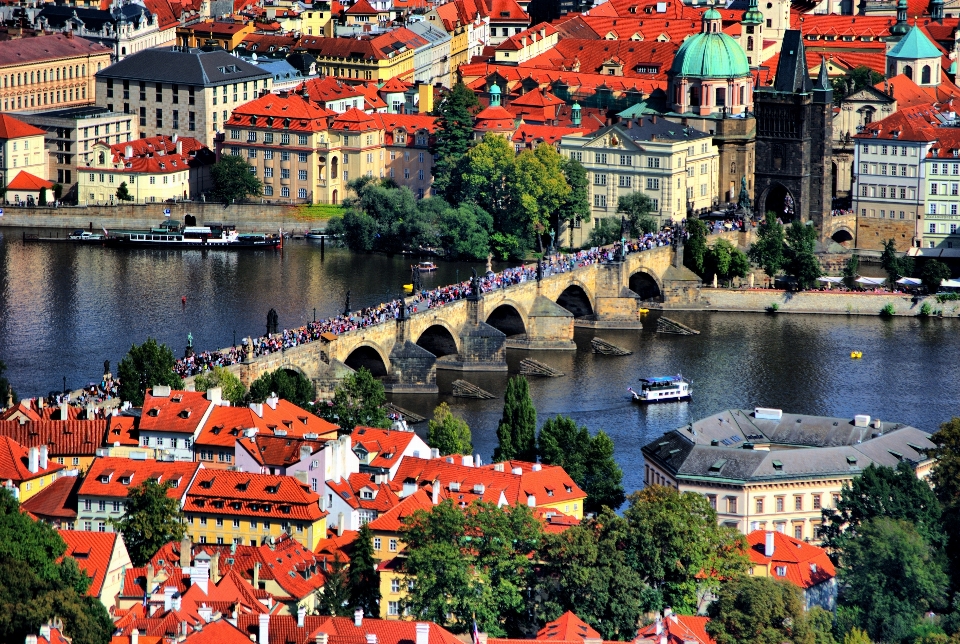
point(482, 347)
point(412, 369)
point(548, 325)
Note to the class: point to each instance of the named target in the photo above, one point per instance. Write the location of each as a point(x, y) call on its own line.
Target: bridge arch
point(369, 356)
point(842, 236)
point(439, 339)
point(576, 299)
point(508, 319)
point(647, 285)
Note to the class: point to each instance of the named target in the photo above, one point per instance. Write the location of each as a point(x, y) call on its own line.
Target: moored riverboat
point(207, 236)
point(661, 389)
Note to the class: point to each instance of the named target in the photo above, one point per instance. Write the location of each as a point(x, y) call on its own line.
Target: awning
point(830, 280)
point(871, 281)
point(950, 284)
point(909, 281)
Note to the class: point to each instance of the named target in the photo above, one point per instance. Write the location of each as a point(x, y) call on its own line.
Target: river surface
point(65, 309)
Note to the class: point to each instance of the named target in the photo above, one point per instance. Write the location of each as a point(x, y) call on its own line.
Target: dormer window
point(186, 412)
point(781, 571)
point(153, 413)
point(175, 399)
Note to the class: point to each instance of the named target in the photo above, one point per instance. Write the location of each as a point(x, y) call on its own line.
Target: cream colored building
point(675, 165)
point(22, 152)
point(155, 169)
point(43, 71)
point(767, 470)
point(180, 91)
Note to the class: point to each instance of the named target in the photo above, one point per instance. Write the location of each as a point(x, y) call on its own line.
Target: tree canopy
point(234, 180)
point(759, 610)
point(895, 265)
point(471, 564)
point(233, 389)
point(934, 272)
point(945, 478)
point(449, 433)
point(695, 249)
point(363, 579)
point(576, 207)
point(726, 261)
point(150, 520)
point(334, 597)
point(768, 251)
point(637, 207)
point(36, 585)
point(855, 80)
point(802, 262)
point(357, 400)
point(123, 192)
point(454, 134)
point(678, 548)
point(145, 366)
point(588, 460)
point(517, 431)
point(288, 385)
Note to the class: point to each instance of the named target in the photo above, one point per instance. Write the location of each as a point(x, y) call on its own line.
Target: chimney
point(272, 401)
point(358, 617)
point(200, 573)
point(264, 635)
point(341, 521)
point(43, 456)
point(177, 602)
point(128, 151)
point(531, 501)
point(322, 638)
point(168, 592)
point(257, 409)
point(301, 615)
point(256, 575)
point(34, 456)
point(215, 567)
point(653, 119)
point(434, 452)
point(215, 395)
point(423, 632)
point(630, 124)
point(205, 613)
point(468, 460)
point(436, 492)
point(186, 547)
point(64, 415)
point(371, 638)
point(768, 544)
point(150, 573)
point(179, 145)
point(134, 636)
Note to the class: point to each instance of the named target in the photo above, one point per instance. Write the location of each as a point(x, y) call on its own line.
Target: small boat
point(86, 237)
point(315, 233)
point(408, 288)
point(662, 389)
point(427, 267)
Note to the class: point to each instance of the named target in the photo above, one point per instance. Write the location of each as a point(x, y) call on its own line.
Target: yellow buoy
point(856, 354)
point(408, 288)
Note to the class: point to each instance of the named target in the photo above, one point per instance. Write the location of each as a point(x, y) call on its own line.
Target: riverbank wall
point(247, 217)
point(817, 302)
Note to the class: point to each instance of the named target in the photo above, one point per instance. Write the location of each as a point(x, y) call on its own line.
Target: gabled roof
point(227, 425)
point(392, 520)
point(113, 477)
point(494, 119)
point(57, 501)
point(283, 629)
point(12, 128)
point(352, 488)
point(180, 412)
point(385, 444)
point(354, 120)
point(362, 8)
point(910, 124)
point(92, 552)
point(278, 451)
point(247, 494)
point(14, 463)
point(567, 627)
point(678, 629)
point(507, 11)
point(29, 183)
point(219, 632)
point(801, 563)
point(62, 437)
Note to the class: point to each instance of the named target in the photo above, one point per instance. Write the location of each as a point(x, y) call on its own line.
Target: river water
point(65, 309)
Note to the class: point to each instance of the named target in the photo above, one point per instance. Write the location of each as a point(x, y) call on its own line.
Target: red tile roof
point(351, 490)
point(14, 463)
point(395, 85)
point(392, 520)
point(218, 632)
point(92, 552)
point(246, 494)
point(29, 183)
point(106, 475)
point(533, 135)
point(226, 425)
point(803, 564)
point(507, 11)
point(385, 444)
point(567, 627)
point(12, 128)
point(410, 123)
point(588, 56)
point(494, 119)
point(354, 120)
point(62, 437)
point(328, 88)
point(369, 48)
point(679, 629)
point(181, 412)
point(278, 451)
point(336, 545)
point(341, 630)
point(361, 8)
point(57, 501)
point(43, 48)
point(910, 124)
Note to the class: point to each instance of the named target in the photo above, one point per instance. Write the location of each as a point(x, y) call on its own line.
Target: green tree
point(537, 188)
point(604, 478)
point(678, 548)
point(895, 265)
point(232, 389)
point(585, 570)
point(802, 262)
point(637, 207)
point(933, 273)
point(472, 563)
point(123, 193)
point(852, 268)
point(448, 433)
point(334, 598)
point(234, 180)
point(357, 401)
point(856, 636)
point(464, 231)
point(759, 610)
point(861, 77)
point(481, 177)
point(363, 578)
point(588, 460)
point(821, 623)
point(454, 134)
point(726, 261)
point(517, 431)
point(37, 583)
point(145, 366)
point(945, 478)
point(152, 518)
point(606, 230)
point(883, 492)
point(576, 207)
point(893, 576)
point(695, 248)
point(287, 385)
point(768, 251)
point(7, 394)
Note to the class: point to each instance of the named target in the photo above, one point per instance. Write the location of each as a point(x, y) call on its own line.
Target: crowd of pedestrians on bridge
point(426, 299)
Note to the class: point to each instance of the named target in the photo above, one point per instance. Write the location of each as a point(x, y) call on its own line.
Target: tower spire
point(901, 27)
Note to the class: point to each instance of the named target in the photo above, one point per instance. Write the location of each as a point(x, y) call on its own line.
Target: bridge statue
point(744, 204)
point(346, 306)
point(475, 289)
point(273, 322)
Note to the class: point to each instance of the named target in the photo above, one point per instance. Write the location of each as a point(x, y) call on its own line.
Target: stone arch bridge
point(473, 334)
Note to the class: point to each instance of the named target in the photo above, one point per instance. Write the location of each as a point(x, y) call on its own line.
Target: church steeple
point(823, 89)
point(936, 10)
point(901, 28)
point(752, 15)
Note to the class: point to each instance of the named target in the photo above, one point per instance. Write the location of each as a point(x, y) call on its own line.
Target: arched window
point(743, 94)
point(908, 71)
point(678, 95)
point(721, 96)
point(925, 75)
point(733, 167)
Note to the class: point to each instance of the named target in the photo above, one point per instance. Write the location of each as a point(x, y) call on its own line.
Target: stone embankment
point(817, 302)
point(246, 217)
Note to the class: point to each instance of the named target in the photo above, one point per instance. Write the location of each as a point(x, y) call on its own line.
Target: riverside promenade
point(816, 302)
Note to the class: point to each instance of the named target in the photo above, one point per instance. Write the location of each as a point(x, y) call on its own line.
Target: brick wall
point(872, 232)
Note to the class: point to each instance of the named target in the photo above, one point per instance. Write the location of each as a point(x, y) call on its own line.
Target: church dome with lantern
point(710, 72)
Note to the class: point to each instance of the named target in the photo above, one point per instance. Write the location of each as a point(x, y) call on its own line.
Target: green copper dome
point(712, 14)
point(710, 55)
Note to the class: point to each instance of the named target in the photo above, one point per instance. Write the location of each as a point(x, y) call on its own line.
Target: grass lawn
point(320, 211)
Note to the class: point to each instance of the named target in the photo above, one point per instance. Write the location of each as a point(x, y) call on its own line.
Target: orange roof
point(110, 476)
point(354, 120)
point(14, 463)
point(494, 119)
point(182, 412)
point(92, 552)
point(278, 451)
point(910, 124)
point(303, 114)
point(533, 135)
point(56, 501)
point(679, 629)
point(328, 88)
point(567, 627)
point(283, 629)
point(243, 493)
point(392, 519)
point(337, 545)
point(155, 154)
point(361, 8)
point(62, 437)
point(385, 444)
point(226, 425)
point(799, 562)
point(29, 182)
point(218, 632)
point(395, 85)
point(351, 490)
point(11, 128)
point(410, 123)
point(507, 11)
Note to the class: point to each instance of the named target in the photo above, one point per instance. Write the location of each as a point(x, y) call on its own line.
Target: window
point(143, 117)
point(798, 503)
point(732, 505)
point(599, 201)
point(599, 179)
point(159, 117)
point(302, 140)
point(599, 158)
point(933, 228)
point(626, 159)
point(798, 531)
point(816, 501)
point(933, 188)
point(101, 526)
point(576, 156)
point(302, 175)
point(759, 506)
point(284, 139)
point(87, 503)
point(394, 585)
point(284, 192)
point(285, 156)
point(268, 154)
point(268, 137)
point(779, 504)
point(117, 506)
point(393, 609)
point(302, 157)
point(102, 506)
point(781, 571)
point(252, 137)
point(713, 501)
point(653, 183)
point(284, 173)
point(624, 181)
point(376, 543)
point(653, 162)
point(302, 194)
